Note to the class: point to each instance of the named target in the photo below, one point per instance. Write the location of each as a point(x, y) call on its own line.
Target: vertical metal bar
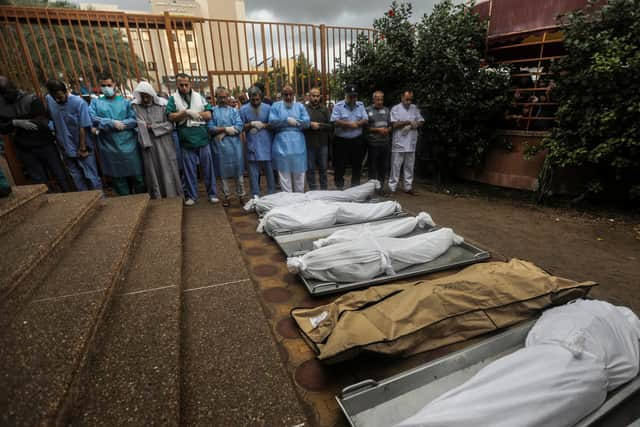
point(86, 48)
point(246, 45)
point(314, 31)
point(264, 55)
point(46, 44)
point(255, 44)
point(486, 37)
point(195, 45)
point(104, 43)
point(13, 70)
point(95, 46)
point(186, 43)
point(35, 42)
point(27, 57)
point(113, 57)
point(280, 66)
point(172, 48)
point(120, 43)
point(273, 52)
point(301, 53)
point(134, 57)
point(153, 54)
point(55, 41)
point(323, 61)
point(66, 45)
point(224, 63)
point(286, 52)
point(213, 50)
point(230, 50)
point(75, 44)
point(141, 44)
point(162, 56)
point(176, 37)
point(242, 77)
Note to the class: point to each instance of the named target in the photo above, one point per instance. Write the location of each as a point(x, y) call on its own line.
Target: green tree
point(598, 91)
point(275, 79)
point(384, 62)
point(461, 100)
point(305, 76)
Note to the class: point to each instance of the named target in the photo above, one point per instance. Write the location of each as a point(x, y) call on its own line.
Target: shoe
point(189, 202)
point(214, 199)
point(243, 199)
point(411, 192)
point(225, 202)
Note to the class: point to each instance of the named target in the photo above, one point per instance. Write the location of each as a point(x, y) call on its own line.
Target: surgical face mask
point(108, 91)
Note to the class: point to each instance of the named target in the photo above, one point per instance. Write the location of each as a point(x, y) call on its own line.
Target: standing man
point(405, 120)
point(289, 153)
point(190, 112)
point(114, 123)
point(255, 116)
point(72, 122)
point(155, 134)
point(317, 137)
point(225, 127)
point(378, 138)
point(349, 116)
point(24, 117)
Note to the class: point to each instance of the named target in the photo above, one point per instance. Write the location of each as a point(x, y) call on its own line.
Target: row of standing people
point(287, 137)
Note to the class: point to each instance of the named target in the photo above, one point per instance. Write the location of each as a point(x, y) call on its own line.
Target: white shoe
point(214, 199)
point(189, 202)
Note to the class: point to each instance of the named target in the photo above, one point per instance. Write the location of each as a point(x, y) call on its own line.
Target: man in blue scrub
point(114, 123)
point(288, 118)
point(255, 115)
point(190, 112)
point(225, 127)
point(72, 123)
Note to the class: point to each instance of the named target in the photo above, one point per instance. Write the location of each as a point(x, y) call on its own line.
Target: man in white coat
point(405, 121)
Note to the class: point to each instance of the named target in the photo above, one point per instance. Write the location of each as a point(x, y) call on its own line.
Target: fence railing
point(75, 45)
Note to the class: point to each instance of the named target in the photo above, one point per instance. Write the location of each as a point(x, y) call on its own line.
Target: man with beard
point(255, 116)
point(158, 150)
point(189, 110)
point(289, 152)
point(317, 137)
point(24, 117)
point(225, 127)
point(72, 123)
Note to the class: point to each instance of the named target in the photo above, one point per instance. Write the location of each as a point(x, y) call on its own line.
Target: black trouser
point(39, 161)
point(378, 161)
point(348, 150)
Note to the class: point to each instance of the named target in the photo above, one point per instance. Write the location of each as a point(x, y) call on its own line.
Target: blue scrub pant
point(254, 176)
point(84, 172)
point(317, 156)
point(191, 158)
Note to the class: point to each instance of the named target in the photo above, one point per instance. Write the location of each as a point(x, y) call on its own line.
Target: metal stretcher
point(299, 243)
point(373, 403)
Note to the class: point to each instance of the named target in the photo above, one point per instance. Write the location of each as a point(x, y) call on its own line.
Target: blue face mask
point(108, 91)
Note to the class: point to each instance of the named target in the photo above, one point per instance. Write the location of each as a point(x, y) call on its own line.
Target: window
point(189, 37)
point(145, 35)
point(194, 66)
point(151, 66)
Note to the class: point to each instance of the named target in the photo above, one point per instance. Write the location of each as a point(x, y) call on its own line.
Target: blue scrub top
point(67, 120)
point(259, 143)
point(289, 152)
point(228, 151)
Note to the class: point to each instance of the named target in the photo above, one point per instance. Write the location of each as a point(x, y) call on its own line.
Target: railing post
point(134, 57)
point(172, 48)
point(323, 60)
point(264, 60)
point(27, 57)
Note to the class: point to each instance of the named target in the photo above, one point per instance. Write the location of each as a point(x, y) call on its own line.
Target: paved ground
point(564, 242)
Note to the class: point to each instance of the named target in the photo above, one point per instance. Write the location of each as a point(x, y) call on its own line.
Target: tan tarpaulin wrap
point(409, 318)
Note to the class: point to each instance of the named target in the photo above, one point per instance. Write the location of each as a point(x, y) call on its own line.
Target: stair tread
point(19, 196)
point(28, 242)
point(133, 376)
point(48, 336)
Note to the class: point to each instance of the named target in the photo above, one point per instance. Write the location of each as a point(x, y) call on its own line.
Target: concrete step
point(20, 204)
point(133, 375)
point(232, 373)
point(37, 237)
point(46, 344)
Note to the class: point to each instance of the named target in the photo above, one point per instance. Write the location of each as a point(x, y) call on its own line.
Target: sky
point(359, 13)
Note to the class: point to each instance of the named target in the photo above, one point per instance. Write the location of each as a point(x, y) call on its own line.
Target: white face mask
point(108, 91)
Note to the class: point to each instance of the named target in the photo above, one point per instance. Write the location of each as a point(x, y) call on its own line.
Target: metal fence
point(75, 45)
